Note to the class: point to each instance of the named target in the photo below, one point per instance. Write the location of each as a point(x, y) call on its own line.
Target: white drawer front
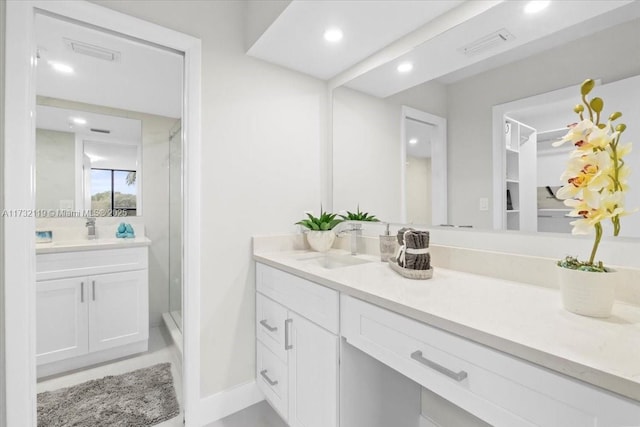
point(272, 378)
point(497, 388)
point(270, 325)
point(315, 302)
point(87, 263)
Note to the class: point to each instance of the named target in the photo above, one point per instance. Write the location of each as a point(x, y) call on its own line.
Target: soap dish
point(410, 274)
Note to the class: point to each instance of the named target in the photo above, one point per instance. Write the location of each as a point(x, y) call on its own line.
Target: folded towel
point(129, 230)
point(414, 254)
point(125, 231)
point(401, 235)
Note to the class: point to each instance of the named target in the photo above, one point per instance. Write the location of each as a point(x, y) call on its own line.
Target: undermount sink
point(333, 261)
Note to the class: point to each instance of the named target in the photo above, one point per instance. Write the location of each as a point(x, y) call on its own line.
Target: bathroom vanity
point(352, 344)
point(92, 302)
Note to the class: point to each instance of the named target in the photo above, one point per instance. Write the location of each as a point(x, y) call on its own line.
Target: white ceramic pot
point(321, 241)
point(588, 293)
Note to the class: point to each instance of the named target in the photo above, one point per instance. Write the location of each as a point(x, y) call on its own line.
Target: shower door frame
point(19, 173)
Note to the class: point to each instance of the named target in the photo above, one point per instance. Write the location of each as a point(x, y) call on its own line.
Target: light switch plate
point(484, 204)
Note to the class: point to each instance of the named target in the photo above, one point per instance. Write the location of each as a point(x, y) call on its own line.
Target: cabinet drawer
point(272, 378)
point(270, 325)
point(315, 302)
point(500, 389)
point(87, 263)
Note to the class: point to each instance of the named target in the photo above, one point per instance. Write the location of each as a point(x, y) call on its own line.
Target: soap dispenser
point(388, 245)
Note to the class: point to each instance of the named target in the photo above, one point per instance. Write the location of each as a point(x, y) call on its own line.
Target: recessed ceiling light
point(79, 120)
point(536, 6)
point(333, 35)
point(61, 68)
point(405, 67)
point(413, 141)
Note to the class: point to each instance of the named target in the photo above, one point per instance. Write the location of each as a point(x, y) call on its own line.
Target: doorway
point(20, 167)
point(424, 168)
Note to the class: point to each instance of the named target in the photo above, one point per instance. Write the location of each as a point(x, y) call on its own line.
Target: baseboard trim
point(219, 405)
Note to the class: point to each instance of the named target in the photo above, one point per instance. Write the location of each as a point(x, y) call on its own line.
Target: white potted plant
point(595, 183)
point(320, 234)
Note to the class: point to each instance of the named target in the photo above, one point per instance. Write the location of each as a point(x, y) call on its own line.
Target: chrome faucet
point(91, 228)
point(355, 228)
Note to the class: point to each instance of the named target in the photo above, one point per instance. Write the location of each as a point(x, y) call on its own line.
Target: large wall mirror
point(379, 163)
point(87, 163)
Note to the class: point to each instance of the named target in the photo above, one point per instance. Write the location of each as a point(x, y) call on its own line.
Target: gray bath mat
point(144, 397)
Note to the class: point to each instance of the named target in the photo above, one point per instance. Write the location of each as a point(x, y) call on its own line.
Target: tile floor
point(161, 349)
point(258, 415)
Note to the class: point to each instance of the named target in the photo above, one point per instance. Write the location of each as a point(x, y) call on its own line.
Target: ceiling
point(295, 39)
point(61, 119)
point(142, 78)
point(442, 57)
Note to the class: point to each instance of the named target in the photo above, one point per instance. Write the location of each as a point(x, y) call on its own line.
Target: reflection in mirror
point(532, 167)
point(375, 163)
point(365, 170)
point(87, 163)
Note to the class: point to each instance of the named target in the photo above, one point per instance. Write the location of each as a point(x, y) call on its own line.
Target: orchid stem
point(596, 243)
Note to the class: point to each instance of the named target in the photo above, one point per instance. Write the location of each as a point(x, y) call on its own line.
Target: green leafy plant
point(359, 216)
point(326, 221)
point(572, 263)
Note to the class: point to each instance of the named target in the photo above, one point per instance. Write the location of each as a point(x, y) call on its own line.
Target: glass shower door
point(175, 224)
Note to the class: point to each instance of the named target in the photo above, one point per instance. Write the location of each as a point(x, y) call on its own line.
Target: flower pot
point(320, 241)
point(587, 293)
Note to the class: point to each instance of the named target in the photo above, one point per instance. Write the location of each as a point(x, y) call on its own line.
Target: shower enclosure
point(175, 224)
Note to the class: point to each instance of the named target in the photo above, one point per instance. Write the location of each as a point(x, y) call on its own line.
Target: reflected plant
point(596, 177)
point(359, 216)
point(131, 178)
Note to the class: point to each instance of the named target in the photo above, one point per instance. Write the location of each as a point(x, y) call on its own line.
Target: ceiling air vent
point(487, 42)
point(87, 49)
point(100, 130)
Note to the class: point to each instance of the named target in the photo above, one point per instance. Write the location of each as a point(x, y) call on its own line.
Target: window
point(113, 192)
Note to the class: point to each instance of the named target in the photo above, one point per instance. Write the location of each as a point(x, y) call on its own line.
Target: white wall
point(261, 169)
point(55, 168)
point(470, 103)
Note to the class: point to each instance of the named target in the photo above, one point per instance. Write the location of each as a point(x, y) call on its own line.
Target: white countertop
point(523, 320)
point(90, 245)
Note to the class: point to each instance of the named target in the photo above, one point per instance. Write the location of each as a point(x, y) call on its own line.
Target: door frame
point(438, 164)
point(19, 196)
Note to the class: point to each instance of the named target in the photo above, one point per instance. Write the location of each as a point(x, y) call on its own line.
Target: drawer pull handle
point(93, 287)
point(287, 324)
point(267, 379)
point(81, 292)
point(269, 327)
point(458, 376)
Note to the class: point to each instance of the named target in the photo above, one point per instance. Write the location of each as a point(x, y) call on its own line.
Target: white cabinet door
point(61, 319)
point(313, 374)
point(118, 309)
